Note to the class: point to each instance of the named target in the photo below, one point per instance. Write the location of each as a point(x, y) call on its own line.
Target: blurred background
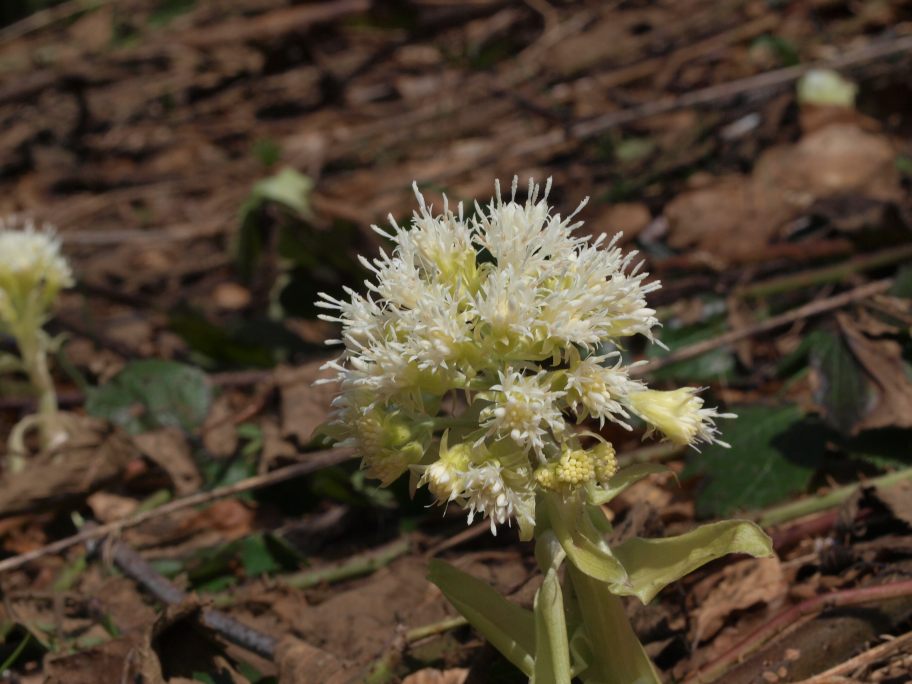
point(212, 165)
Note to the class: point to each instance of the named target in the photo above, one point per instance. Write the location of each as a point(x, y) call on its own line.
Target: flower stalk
point(518, 323)
point(32, 273)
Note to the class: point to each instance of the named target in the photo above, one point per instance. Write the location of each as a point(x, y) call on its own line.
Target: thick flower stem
point(618, 655)
point(33, 350)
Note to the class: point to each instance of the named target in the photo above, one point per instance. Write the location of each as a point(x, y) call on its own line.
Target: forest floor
point(211, 166)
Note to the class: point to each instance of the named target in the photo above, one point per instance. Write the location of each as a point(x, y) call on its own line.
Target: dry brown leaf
point(429, 675)
point(108, 507)
point(304, 405)
point(738, 587)
point(883, 363)
point(301, 663)
point(736, 216)
point(168, 448)
point(93, 455)
point(629, 218)
point(219, 431)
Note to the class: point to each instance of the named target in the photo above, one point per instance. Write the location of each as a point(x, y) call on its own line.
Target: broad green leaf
point(509, 628)
point(902, 285)
point(844, 390)
point(581, 540)
point(885, 448)
point(151, 394)
point(622, 480)
point(552, 652)
point(774, 453)
point(652, 564)
point(614, 652)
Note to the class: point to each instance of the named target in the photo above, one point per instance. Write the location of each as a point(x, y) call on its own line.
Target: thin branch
point(315, 461)
point(135, 566)
point(761, 635)
point(872, 655)
point(809, 310)
point(802, 507)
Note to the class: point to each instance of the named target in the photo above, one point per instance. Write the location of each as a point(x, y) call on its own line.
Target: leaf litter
point(210, 169)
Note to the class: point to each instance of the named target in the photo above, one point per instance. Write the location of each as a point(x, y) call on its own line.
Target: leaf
point(552, 653)
point(509, 628)
point(622, 480)
point(653, 564)
point(902, 284)
point(774, 454)
point(581, 540)
point(288, 189)
point(843, 390)
point(152, 394)
point(890, 378)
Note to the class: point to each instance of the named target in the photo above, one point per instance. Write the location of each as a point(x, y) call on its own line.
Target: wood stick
point(316, 461)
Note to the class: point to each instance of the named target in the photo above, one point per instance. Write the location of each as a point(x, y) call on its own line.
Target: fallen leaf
point(93, 455)
point(304, 405)
point(738, 587)
point(889, 375)
point(168, 448)
point(219, 432)
point(301, 663)
point(429, 675)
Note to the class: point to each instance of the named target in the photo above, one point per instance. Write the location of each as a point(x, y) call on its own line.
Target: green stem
point(618, 655)
point(33, 349)
point(798, 509)
point(827, 274)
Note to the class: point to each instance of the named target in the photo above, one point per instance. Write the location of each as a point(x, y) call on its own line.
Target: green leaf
point(614, 652)
point(552, 652)
point(152, 394)
point(509, 628)
point(774, 453)
point(844, 391)
point(288, 187)
point(579, 537)
point(902, 285)
point(653, 564)
point(622, 480)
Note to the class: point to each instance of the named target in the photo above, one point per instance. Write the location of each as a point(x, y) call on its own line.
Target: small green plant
point(32, 273)
point(481, 347)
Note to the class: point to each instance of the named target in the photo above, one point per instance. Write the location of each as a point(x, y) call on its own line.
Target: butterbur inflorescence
point(32, 271)
point(480, 345)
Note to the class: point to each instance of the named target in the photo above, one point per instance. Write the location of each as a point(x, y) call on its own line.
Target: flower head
point(32, 271)
point(497, 317)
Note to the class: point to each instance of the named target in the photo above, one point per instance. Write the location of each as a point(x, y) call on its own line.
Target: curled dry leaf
point(740, 586)
point(890, 404)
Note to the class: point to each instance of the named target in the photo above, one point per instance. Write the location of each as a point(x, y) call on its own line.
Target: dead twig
point(135, 566)
point(872, 655)
point(316, 461)
point(817, 604)
point(807, 311)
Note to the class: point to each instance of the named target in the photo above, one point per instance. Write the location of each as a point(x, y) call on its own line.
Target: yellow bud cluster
point(577, 467)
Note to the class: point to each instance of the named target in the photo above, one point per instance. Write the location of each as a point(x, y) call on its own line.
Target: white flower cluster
point(503, 315)
point(32, 271)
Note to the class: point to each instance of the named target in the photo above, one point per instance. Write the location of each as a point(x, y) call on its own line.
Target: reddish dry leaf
point(883, 363)
point(740, 586)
